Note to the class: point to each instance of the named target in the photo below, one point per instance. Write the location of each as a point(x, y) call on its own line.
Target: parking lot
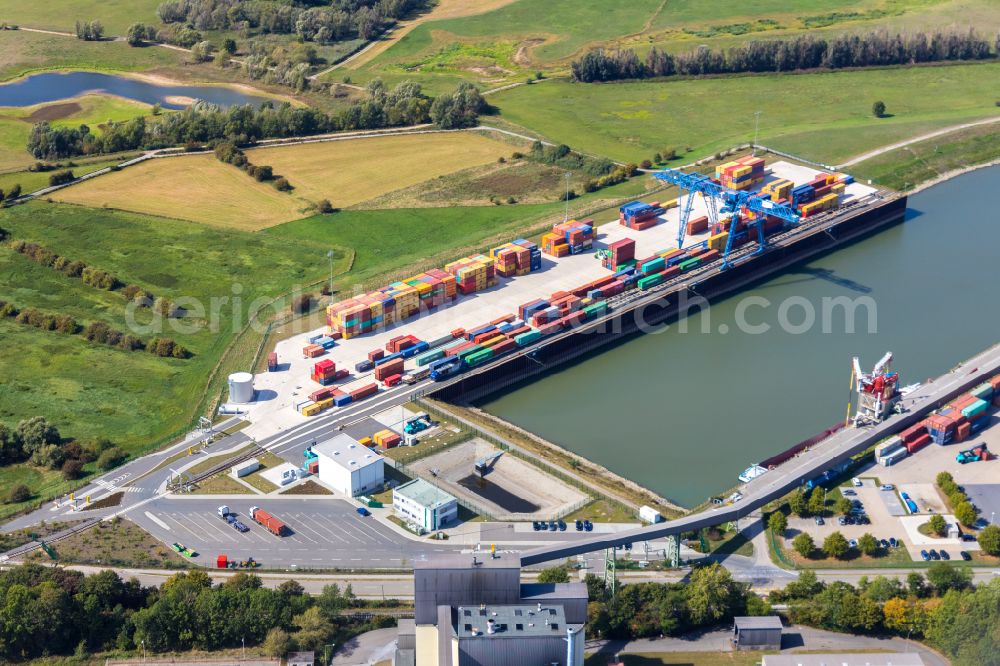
point(325, 533)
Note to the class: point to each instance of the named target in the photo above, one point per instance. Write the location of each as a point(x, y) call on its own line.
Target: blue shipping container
point(341, 400)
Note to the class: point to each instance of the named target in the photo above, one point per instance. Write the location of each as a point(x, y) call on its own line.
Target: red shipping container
point(995, 382)
point(913, 432)
point(458, 333)
point(556, 295)
point(314, 467)
point(550, 329)
point(918, 443)
point(939, 423)
point(459, 348)
point(391, 441)
point(962, 432)
point(517, 331)
point(312, 351)
point(503, 320)
point(324, 367)
point(364, 391)
point(503, 347)
point(670, 272)
point(391, 346)
point(394, 367)
point(711, 255)
point(375, 355)
point(321, 394)
point(697, 225)
point(392, 380)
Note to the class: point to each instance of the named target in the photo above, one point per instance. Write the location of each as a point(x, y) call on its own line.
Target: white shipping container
point(649, 514)
point(246, 467)
point(888, 446)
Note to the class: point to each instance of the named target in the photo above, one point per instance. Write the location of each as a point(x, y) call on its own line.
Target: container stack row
point(962, 417)
point(325, 372)
point(639, 216)
point(390, 304)
point(741, 174)
point(572, 237)
point(517, 258)
point(473, 274)
point(822, 193)
point(619, 255)
point(386, 439)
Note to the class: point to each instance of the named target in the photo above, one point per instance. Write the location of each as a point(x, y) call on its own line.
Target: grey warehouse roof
point(765, 622)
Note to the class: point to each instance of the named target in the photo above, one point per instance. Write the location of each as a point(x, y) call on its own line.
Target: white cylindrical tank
point(240, 387)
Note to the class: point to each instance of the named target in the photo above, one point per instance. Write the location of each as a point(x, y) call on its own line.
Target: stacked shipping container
point(741, 174)
point(639, 216)
point(517, 258)
point(572, 237)
point(473, 273)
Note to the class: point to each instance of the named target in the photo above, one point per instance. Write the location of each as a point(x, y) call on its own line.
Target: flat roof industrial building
point(424, 504)
point(348, 467)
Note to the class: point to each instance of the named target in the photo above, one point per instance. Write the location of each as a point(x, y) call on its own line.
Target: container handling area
point(334, 366)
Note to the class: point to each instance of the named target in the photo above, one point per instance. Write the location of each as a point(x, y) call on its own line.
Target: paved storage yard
point(294, 385)
point(513, 487)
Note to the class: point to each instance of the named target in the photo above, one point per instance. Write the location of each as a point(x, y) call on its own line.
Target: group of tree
point(91, 276)
point(89, 31)
point(965, 511)
point(655, 609)
point(813, 503)
point(202, 123)
point(138, 34)
point(873, 49)
point(38, 442)
point(228, 152)
point(53, 611)
point(943, 608)
point(97, 332)
point(323, 21)
point(458, 109)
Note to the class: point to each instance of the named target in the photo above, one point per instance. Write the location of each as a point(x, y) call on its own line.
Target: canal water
point(54, 86)
point(683, 413)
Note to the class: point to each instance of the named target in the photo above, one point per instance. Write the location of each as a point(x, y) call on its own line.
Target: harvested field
point(514, 489)
point(54, 112)
point(351, 171)
point(197, 188)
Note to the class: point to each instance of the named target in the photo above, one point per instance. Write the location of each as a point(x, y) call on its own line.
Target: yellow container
point(718, 241)
point(365, 441)
point(325, 404)
point(311, 410)
point(669, 204)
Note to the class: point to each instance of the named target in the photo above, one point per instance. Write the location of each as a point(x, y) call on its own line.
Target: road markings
point(157, 521)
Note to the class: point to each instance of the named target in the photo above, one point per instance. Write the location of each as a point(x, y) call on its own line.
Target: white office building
point(424, 505)
point(348, 467)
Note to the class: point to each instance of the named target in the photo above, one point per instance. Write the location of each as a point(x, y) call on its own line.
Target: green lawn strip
point(603, 511)
point(222, 484)
point(115, 15)
point(31, 181)
point(26, 52)
point(631, 121)
point(906, 167)
point(267, 460)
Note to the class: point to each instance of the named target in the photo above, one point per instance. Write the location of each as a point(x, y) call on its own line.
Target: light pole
point(329, 255)
point(326, 653)
point(143, 642)
point(566, 215)
point(756, 126)
point(243, 642)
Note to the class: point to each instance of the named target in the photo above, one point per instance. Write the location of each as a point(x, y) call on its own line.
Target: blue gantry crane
point(733, 203)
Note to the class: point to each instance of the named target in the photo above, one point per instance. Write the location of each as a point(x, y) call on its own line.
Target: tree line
point(207, 124)
point(53, 611)
point(37, 441)
point(872, 49)
point(230, 154)
point(321, 21)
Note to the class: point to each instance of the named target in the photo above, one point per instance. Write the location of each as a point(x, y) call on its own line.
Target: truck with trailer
point(417, 375)
point(231, 519)
point(267, 521)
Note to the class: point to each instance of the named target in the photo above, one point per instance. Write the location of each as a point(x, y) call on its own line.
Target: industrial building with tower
point(473, 610)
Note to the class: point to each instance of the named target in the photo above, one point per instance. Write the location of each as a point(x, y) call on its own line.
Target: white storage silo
point(241, 387)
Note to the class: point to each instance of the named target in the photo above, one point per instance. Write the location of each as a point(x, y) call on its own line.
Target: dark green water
point(685, 413)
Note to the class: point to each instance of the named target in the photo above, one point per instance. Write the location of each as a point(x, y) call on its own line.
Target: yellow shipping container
point(365, 441)
point(325, 404)
point(718, 241)
point(667, 205)
point(311, 410)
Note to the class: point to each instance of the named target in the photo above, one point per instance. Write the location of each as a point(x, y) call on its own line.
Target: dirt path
point(916, 139)
point(47, 32)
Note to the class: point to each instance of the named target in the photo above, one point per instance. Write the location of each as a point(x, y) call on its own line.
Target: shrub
point(15, 192)
point(262, 173)
point(878, 109)
point(835, 545)
point(111, 458)
point(61, 177)
point(966, 514)
point(989, 540)
point(302, 303)
point(282, 185)
point(324, 206)
point(18, 493)
point(646, 164)
point(95, 277)
point(517, 155)
point(804, 544)
point(72, 469)
point(943, 478)
point(777, 522)
point(937, 525)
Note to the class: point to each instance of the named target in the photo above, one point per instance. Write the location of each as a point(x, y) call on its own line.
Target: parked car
point(968, 537)
point(887, 486)
point(856, 481)
point(945, 556)
point(904, 495)
point(534, 525)
point(965, 555)
point(847, 492)
point(924, 555)
point(819, 520)
point(892, 542)
point(853, 543)
point(884, 543)
point(579, 526)
point(587, 526)
point(863, 519)
point(562, 525)
point(362, 511)
point(934, 555)
point(552, 526)
point(856, 503)
point(842, 521)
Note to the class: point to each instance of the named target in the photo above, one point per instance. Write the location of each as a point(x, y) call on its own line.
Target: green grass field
point(22, 52)
point(134, 398)
point(115, 15)
point(92, 110)
point(630, 121)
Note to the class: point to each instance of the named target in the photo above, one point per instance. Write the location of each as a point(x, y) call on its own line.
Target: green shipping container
point(690, 263)
point(526, 339)
point(650, 281)
point(465, 353)
point(428, 357)
point(479, 357)
point(976, 408)
point(595, 310)
point(983, 391)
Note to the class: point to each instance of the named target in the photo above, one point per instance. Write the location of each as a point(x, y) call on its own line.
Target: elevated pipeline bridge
point(811, 463)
